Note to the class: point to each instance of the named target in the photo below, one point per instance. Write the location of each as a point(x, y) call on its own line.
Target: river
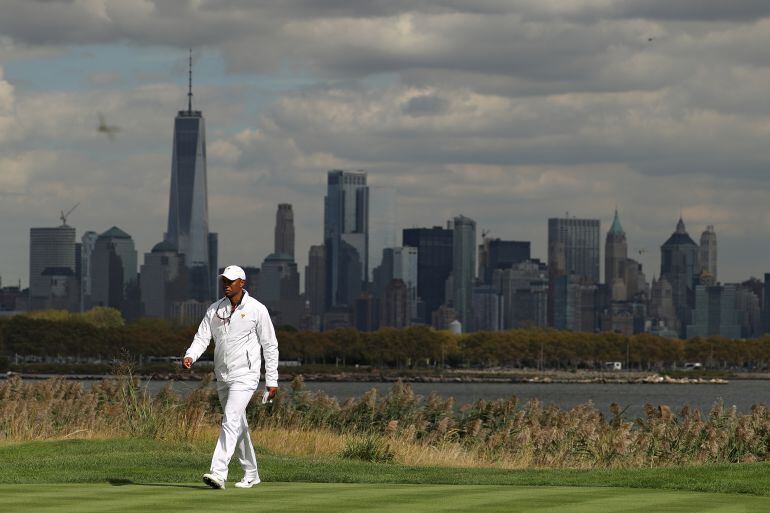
point(741, 393)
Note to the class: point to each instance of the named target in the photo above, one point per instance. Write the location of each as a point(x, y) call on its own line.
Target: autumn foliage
point(101, 334)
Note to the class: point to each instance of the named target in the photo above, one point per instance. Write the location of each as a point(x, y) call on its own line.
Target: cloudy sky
point(508, 112)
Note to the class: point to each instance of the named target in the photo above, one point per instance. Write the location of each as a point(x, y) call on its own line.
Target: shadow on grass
point(124, 482)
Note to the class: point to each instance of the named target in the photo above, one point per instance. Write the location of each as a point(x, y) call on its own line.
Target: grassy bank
point(143, 475)
point(124, 461)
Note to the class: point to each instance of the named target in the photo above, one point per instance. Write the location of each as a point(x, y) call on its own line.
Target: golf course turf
point(146, 475)
point(334, 497)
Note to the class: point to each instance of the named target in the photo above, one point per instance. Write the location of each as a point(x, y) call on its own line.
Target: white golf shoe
point(247, 482)
point(214, 481)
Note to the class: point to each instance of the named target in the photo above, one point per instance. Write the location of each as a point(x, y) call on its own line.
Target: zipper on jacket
point(248, 359)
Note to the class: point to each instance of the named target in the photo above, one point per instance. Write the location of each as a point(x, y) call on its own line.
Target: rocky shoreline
point(650, 379)
point(350, 377)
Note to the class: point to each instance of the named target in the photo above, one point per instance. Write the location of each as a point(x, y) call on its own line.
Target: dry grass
point(324, 443)
point(400, 426)
point(56, 409)
point(298, 441)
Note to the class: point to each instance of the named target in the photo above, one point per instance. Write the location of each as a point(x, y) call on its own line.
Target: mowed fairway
point(334, 497)
point(145, 475)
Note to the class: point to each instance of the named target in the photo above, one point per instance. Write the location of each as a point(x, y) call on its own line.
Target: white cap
point(233, 272)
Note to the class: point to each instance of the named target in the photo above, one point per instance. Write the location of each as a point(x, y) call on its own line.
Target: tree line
point(103, 333)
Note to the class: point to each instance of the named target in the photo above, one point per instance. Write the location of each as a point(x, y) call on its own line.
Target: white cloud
point(224, 151)
point(509, 112)
point(104, 78)
point(7, 108)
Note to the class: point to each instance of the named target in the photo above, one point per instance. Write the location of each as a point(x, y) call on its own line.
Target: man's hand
point(187, 362)
point(271, 391)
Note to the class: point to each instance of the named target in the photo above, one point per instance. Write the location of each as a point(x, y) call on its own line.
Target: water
point(741, 393)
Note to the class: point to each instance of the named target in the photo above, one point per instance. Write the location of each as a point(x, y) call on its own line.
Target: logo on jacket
point(243, 315)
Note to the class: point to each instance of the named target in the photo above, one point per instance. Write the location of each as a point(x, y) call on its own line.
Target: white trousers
point(234, 435)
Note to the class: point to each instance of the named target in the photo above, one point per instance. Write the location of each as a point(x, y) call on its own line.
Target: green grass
point(332, 498)
point(142, 475)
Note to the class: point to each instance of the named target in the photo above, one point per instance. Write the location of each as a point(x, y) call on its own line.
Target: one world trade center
point(188, 217)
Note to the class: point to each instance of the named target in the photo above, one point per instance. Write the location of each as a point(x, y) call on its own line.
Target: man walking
point(240, 325)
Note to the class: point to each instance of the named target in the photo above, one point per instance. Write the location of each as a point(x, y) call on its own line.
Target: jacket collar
point(225, 303)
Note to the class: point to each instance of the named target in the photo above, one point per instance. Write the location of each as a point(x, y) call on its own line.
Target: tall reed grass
point(398, 426)
point(58, 408)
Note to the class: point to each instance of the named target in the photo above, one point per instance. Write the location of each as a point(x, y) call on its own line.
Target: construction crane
point(64, 216)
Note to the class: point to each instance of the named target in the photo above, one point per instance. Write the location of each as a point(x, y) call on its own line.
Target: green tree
point(49, 315)
point(102, 317)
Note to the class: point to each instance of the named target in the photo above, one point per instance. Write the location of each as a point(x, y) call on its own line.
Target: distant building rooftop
point(279, 257)
point(164, 247)
point(115, 233)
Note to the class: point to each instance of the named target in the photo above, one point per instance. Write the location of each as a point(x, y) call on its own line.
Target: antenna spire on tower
point(189, 91)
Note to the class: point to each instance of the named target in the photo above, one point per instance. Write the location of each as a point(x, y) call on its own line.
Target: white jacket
point(238, 339)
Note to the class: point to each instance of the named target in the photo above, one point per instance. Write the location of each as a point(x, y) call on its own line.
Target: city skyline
point(509, 140)
point(685, 299)
point(637, 253)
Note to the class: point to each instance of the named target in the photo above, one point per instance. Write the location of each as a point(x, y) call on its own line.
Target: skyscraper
point(87, 244)
point(383, 273)
point(524, 291)
point(434, 264)
point(405, 268)
point(113, 268)
point(315, 278)
point(573, 250)
point(48, 248)
point(708, 252)
point(63, 290)
point(464, 268)
point(163, 281)
point(573, 247)
point(126, 251)
point(398, 263)
point(278, 289)
point(213, 240)
point(502, 254)
point(679, 265)
point(366, 312)
point(78, 267)
point(615, 256)
point(575, 303)
point(346, 222)
point(487, 308)
point(636, 284)
point(382, 224)
point(749, 310)
point(395, 305)
point(715, 312)
point(188, 217)
point(766, 304)
point(662, 303)
point(284, 230)
point(278, 279)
